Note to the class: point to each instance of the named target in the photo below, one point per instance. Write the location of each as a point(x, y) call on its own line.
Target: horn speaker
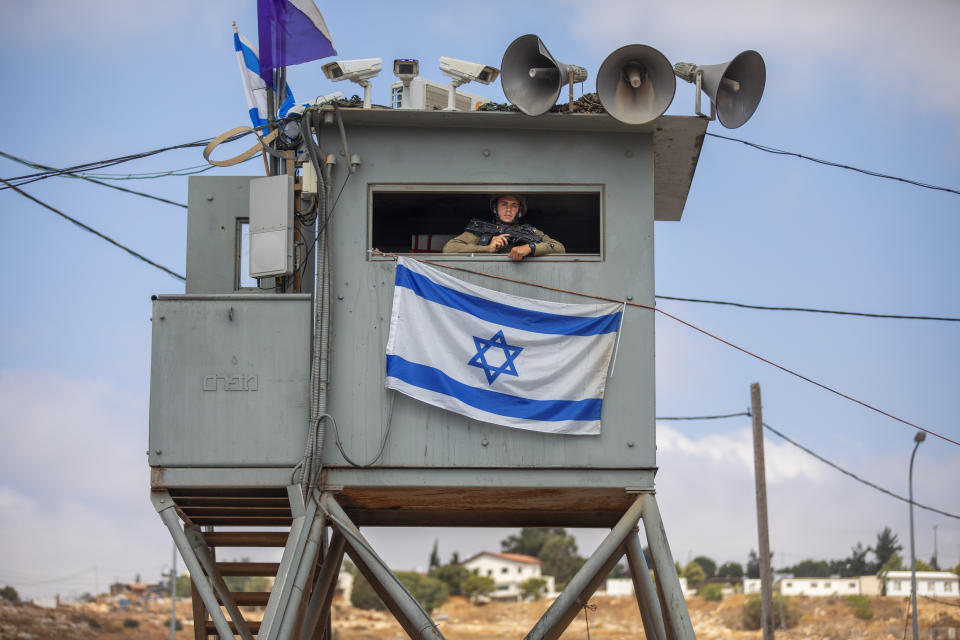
point(735, 87)
point(636, 84)
point(532, 78)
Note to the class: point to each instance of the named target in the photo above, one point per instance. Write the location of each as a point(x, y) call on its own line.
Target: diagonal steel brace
point(199, 545)
point(405, 608)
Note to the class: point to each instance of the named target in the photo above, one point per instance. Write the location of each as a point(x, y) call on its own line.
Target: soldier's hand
point(498, 242)
point(520, 252)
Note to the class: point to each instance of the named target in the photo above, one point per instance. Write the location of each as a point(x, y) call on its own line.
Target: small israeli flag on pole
point(499, 358)
point(254, 88)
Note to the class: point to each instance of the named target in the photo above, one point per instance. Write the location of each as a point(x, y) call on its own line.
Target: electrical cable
point(856, 477)
point(26, 179)
point(726, 415)
point(136, 255)
point(809, 310)
point(838, 165)
point(692, 326)
point(102, 184)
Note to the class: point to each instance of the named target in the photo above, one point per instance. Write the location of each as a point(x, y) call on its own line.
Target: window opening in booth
point(423, 221)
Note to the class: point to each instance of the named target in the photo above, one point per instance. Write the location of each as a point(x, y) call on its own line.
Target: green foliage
point(184, 586)
point(712, 592)
point(707, 564)
point(476, 585)
point(434, 556)
point(9, 594)
point(862, 606)
point(893, 563)
point(362, 596)
point(453, 576)
point(730, 570)
point(856, 564)
point(785, 613)
point(429, 592)
point(923, 566)
point(810, 569)
point(694, 574)
point(530, 540)
point(238, 583)
point(560, 559)
point(618, 571)
point(131, 623)
point(533, 588)
point(178, 625)
point(887, 546)
point(956, 569)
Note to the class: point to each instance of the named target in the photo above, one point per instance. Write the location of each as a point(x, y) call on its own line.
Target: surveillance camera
point(356, 70)
point(463, 71)
point(406, 69)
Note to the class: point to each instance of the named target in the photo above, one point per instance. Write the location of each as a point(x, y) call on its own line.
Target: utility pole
point(763, 533)
point(173, 595)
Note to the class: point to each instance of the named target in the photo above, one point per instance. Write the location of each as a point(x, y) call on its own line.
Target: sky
point(865, 84)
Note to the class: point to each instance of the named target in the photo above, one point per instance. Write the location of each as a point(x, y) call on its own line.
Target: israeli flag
point(499, 358)
point(254, 87)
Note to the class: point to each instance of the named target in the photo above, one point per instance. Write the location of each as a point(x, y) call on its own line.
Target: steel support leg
point(404, 607)
point(678, 623)
point(318, 611)
point(644, 590)
point(163, 503)
point(299, 553)
point(302, 576)
point(199, 546)
point(582, 585)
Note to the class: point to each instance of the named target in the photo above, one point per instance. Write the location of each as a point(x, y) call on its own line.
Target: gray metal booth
point(236, 398)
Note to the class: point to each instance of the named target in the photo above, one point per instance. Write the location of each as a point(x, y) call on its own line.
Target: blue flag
point(517, 362)
point(254, 88)
point(291, 32)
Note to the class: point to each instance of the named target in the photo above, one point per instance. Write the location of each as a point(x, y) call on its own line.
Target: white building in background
point(833, 586)
point(934, 584)
point(509, 571)
point(624, 587)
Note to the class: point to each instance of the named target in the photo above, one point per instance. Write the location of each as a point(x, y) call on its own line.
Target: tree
point(694, 574)
point(753, 564)
point(9, 594)
point(730, 570)
point(810, 569)
point(934, 563)
point(530, 540)
point(476, 585)
point(429, 592)
point(184, 586)
point(887, 545)
point(434, 556)
point(893, 563)
point(707, 564)
point(453, 576)
point(560, 559)
point(618, 571)
point(855, 565)
point(923, 566)
point(532, 588)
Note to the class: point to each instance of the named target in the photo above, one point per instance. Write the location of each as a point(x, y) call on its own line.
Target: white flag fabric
point(499, 358)
point(254, 89)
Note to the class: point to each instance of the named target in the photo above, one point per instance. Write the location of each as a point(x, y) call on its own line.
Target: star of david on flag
point(499, 358)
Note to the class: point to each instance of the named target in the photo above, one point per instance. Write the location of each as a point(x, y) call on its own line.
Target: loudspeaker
point(636, 84)
point(735, 87)
point(532, 78)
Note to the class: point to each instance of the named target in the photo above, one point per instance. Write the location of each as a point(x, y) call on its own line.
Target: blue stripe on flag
point(492, 401)
point(504, 314)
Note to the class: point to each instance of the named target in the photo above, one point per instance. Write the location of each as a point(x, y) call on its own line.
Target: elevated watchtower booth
point(269, 420)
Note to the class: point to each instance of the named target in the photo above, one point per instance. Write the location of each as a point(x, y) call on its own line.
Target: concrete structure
point(247, 383)
point(934, 584)
point(833, 586)
point(509, 571)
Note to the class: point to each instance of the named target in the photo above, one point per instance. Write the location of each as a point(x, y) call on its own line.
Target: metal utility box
point(229, 380)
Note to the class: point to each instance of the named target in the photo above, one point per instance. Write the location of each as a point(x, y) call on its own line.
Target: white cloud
point(895, 50)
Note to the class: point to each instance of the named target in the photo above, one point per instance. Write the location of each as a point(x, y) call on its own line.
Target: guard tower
point(269, 420)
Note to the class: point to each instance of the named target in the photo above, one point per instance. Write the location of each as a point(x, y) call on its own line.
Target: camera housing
point(406, 69)
point(359, 71)
point(465, 71)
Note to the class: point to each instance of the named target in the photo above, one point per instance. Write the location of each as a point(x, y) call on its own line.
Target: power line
point(33, 177)
point(829, 163)
point(136, 255)
point(856, 477)
point(809, 310)
point(818, 457)
point(88, 179)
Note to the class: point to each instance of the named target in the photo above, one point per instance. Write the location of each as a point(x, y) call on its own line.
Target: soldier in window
point(506, 234)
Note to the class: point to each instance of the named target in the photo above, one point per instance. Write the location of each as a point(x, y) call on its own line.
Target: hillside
point(614, 618)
